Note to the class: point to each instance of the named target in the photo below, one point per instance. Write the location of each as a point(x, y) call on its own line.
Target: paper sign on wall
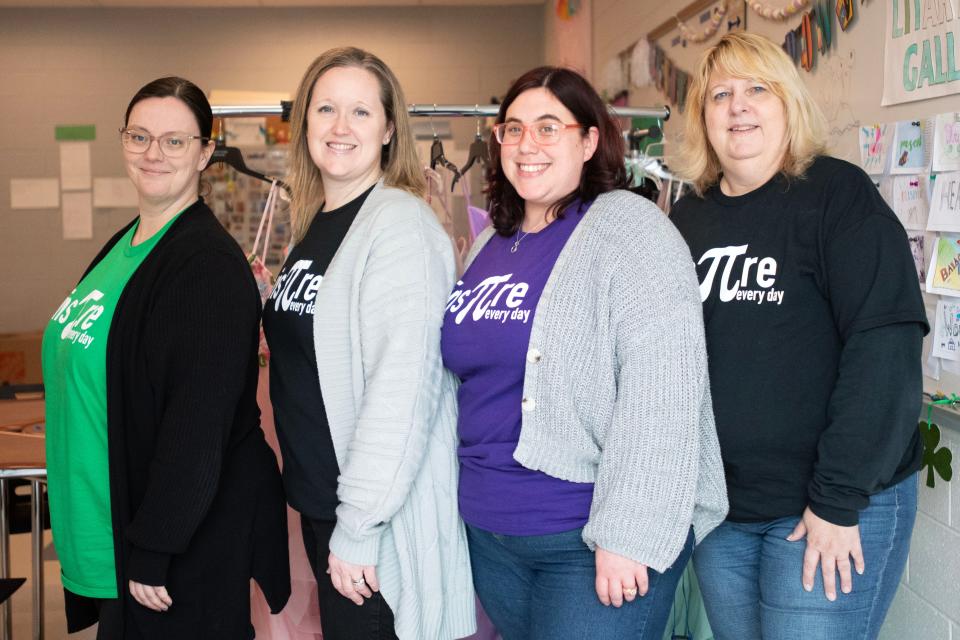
point(946, 327)
point(875, 147)
point(945, 203)
point(910, 147)
point(39, 193)
point(74, 166)
point(114, 192)
point(946, 142)
point(77, 215)
point(908, 199)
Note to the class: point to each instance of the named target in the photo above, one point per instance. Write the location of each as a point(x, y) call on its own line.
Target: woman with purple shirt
point(589, 462)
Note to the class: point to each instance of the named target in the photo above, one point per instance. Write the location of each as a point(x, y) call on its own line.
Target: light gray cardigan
point(392, 413)
point(616, 390)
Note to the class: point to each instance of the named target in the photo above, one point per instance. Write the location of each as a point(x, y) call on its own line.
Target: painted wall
point(82, 66)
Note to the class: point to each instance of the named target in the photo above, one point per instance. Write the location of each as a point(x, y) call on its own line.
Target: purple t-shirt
point(486, 332)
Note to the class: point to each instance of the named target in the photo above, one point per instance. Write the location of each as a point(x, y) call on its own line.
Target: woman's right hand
point(353, 581)
point(619, 578)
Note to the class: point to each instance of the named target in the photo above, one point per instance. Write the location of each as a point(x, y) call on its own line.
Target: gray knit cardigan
point(392, 413)
point(616, 390)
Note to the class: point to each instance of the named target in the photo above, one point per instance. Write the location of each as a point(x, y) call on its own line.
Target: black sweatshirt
point(310, 467)
point(814, 324)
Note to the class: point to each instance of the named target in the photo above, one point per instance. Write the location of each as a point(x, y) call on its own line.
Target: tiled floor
point(55, 623)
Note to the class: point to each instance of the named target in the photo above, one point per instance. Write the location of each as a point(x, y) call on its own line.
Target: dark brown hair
point(605, 171)
point(188, 93)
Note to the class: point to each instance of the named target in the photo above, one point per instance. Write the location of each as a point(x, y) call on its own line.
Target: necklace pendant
point(516, 245)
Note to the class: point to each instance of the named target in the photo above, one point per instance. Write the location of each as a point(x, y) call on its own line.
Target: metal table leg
point(6, 631)
point(36, 544)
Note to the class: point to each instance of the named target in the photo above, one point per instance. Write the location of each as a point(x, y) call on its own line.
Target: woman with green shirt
point(164, 497)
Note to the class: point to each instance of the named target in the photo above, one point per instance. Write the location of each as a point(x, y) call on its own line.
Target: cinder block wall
point(928, 603)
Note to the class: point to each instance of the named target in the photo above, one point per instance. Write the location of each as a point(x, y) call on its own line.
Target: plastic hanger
point(437, 156)
point(478, 152)
point(233, 157)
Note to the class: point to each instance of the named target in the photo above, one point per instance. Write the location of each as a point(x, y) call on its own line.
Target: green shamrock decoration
point(933, 458)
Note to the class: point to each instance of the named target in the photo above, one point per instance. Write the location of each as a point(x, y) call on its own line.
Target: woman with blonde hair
point(814, 325)
point(365, 414)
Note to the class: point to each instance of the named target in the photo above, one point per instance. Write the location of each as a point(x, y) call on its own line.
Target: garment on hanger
point(300, 619)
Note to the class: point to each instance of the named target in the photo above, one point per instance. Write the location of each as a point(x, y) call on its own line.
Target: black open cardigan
point(196, 497)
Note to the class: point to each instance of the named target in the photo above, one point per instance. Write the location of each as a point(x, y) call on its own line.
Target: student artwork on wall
point(942, 276)
point(917, 242)
point(945, 203)
point(910, 147)
point(946, 142)
point(908, 199)
point(875, 147)
point(946, 337)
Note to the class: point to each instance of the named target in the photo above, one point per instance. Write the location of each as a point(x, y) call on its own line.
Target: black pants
point(340, 618)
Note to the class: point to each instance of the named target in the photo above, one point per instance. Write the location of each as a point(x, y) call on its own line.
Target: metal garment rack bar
point(36, 477)
point(425, 110)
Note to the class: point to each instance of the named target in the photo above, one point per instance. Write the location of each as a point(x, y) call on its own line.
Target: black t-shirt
point(809, 290)
point(310, 467)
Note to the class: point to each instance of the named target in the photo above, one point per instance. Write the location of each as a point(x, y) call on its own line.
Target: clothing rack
point(424, 110)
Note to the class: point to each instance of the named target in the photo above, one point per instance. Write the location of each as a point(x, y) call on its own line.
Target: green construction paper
point(934, 458)
point(75, 132)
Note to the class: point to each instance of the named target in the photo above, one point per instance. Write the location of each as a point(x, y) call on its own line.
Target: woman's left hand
point(831, 546)
point(155, 598)
point(353, 581)
point(619, 578)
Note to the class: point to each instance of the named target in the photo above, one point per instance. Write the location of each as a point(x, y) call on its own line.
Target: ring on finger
point(631, 592)
point(358, 582)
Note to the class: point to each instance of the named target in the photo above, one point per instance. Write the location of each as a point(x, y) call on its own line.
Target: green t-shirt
point(75, 377)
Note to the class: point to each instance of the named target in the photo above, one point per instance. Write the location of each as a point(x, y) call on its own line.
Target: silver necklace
point(516, 244)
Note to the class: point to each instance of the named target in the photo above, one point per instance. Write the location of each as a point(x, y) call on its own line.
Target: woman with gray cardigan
point(589, 461)
point(365, 413)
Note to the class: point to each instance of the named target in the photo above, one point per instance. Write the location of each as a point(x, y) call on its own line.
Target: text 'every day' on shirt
point(485, 342)
point(310, 466)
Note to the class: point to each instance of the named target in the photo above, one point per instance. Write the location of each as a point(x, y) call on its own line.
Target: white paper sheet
point(114, 192)
point(74, 166)
point(246, 131)
point(945, 203)
point(910, 152)
point(909, 196)
point(875, 142)
point(30, 193)
point(77, 215)
point(946, 330)
point(946, 142)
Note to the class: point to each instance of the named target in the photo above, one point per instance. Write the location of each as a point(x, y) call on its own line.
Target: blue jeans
point(750, 576)
point(543, 588)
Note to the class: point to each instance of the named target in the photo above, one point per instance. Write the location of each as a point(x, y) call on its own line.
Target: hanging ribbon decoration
point(777, 13)
point(715, 20)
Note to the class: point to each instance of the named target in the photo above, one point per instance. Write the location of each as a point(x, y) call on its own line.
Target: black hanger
point(437, 156)
point(478, 152)
point(233, 157)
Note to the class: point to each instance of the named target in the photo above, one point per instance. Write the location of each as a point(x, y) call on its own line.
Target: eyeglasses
point(172, 145)
point(545, 133)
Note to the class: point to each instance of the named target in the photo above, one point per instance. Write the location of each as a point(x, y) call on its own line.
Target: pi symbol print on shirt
point(81, 314)
point(749, 280)
point(296, 289)
point(495, 298)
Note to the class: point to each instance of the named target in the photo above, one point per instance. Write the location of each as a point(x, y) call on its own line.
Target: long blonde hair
point(747, 55)
point(399, 162)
